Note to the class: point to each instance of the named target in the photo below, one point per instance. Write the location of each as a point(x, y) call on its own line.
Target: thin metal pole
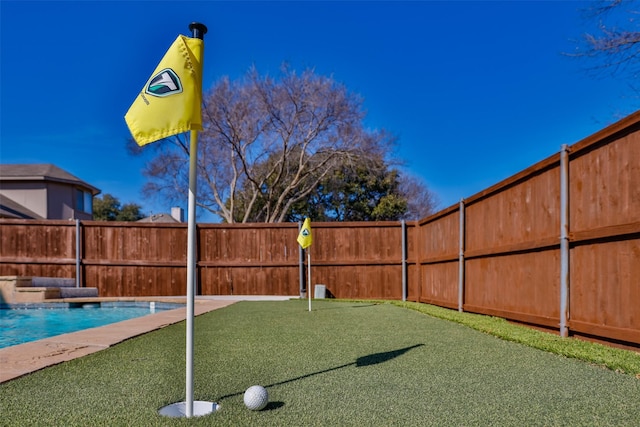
point(461, 260)
point(404, 260)
point(309, 284)
point(77, 253)
point(564, 240)
point(301, 264)
point(198, 31)
point(191, 266)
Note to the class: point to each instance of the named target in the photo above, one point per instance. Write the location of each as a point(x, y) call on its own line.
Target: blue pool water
point(25, 324)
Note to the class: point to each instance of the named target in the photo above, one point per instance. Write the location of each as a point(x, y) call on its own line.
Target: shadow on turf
point(374, 359)
point(272, 406)
point(368, 360)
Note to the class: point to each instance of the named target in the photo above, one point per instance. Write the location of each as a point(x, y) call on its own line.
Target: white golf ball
point(256, 397)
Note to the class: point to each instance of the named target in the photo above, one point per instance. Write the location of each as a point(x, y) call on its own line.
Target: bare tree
point(615, 43)
point(266, 144)
point(421, 202)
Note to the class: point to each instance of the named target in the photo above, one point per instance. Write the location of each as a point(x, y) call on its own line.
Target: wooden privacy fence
point(555, 246)
point(354, 260)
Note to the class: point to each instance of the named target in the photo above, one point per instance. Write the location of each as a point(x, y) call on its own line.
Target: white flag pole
point(309, 285)
point(191, 264)
point(198, 30)
point(305, 239)
point(186, 408)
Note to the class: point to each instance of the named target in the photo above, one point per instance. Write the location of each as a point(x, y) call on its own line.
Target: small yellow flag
point(170, 102)
point(305, 238)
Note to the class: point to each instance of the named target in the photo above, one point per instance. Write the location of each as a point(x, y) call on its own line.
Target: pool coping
point(19, 360)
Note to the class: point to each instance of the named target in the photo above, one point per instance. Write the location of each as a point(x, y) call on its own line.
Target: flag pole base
point(179, 409)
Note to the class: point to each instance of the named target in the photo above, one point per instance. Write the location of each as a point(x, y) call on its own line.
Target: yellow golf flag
point(170, 102)
point(304, 237)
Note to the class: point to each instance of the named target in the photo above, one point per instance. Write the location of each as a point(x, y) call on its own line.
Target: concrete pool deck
point(22, 359)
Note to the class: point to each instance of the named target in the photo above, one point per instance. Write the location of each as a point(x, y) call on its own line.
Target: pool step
point(53, 282)
point(78, 292)
point(33, 294)
point(16, 289)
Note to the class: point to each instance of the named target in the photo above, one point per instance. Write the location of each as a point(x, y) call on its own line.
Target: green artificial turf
point(343, 364)
point(613, 358)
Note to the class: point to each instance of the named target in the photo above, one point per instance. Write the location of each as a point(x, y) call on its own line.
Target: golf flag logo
point(305, 238)
point(170, 102)
point(165, 83)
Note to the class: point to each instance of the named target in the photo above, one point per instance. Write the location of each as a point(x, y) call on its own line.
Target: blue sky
point(476, 91)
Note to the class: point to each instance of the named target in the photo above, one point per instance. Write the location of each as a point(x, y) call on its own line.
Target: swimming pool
point(31, 322)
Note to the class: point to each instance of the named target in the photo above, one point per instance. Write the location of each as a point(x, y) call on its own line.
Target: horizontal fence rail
point(556, 246)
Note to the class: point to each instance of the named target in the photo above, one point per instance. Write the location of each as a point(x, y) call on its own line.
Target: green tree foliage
point(108, 208)
point(354, 194)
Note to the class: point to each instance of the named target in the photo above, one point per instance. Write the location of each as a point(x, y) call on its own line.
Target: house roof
point(12, 209)
point(41, 172)
point(162, 217)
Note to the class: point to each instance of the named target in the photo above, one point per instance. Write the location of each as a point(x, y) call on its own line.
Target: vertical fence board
point(526, 212)
point(439, 235)
point(605, 185)
point(605, 288)
point(440, 284)
point(438, 249)
point(523, 286)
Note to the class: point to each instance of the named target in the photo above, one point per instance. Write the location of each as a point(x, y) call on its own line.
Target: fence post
point(564, 240)
point(78, 246)
point(404, 259)
point(461, 259)
point(417, 247)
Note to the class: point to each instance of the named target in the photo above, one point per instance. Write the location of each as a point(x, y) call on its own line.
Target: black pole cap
point(198, 30)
